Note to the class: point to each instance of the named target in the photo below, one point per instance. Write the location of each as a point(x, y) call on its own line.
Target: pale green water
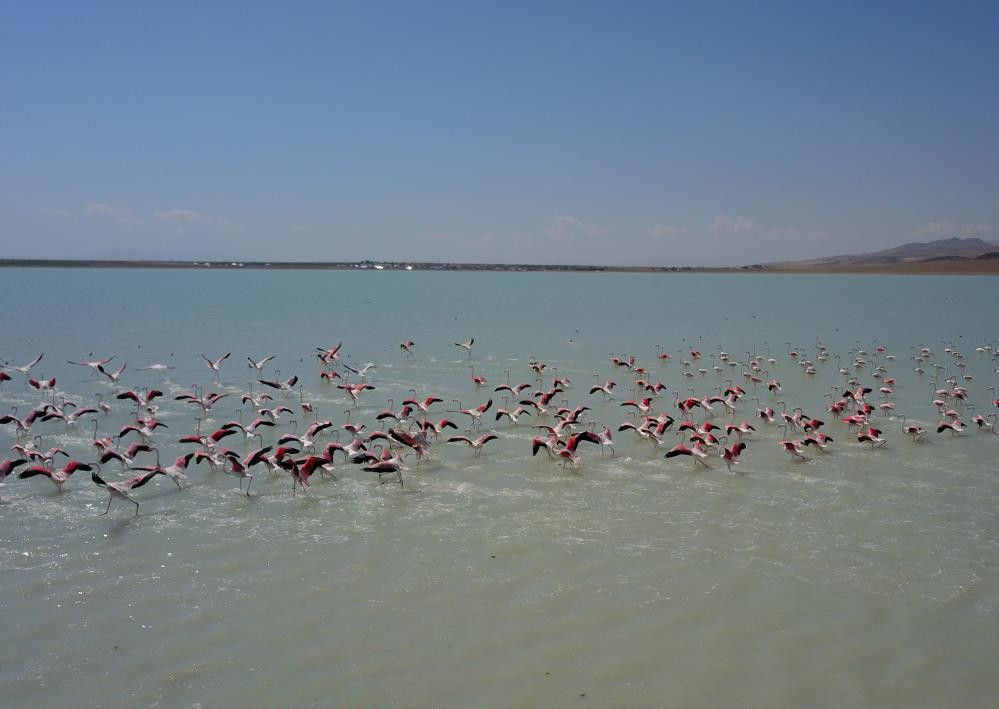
point(859, 578)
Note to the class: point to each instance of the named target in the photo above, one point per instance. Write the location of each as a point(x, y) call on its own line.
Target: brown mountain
point(917, 256)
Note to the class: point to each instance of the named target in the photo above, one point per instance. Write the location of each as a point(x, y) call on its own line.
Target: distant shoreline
point(935, 267)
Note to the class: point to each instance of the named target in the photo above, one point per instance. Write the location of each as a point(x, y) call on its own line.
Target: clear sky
point(625, 133)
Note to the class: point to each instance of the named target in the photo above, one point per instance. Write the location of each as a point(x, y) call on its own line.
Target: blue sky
point(721, 133)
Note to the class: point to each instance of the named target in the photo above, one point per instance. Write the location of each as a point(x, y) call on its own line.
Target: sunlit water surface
point(858, 578)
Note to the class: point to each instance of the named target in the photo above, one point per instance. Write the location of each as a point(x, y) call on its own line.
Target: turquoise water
point(856, 578)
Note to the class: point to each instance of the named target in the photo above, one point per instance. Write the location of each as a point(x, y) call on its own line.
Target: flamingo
point(156, 367)
point(956, 427)
point(407, 347)
point(467, 345)
point(567, 452)
point(285, 386)
point(871, 435)
point(363, 371)
point(144, 427)
point(742, 429)
point(112, 376)
point(913, 430)
point(644, 431)
point(208, 442)
point(329, 354)
point(437, 428)
point(21, 427)
point(94, 366)
point(513, 389)
point(354, 390)
point(606, 440)
point(793, 448)
point(513, 416)
point(299, 476)
point(235, 468)
point(275, 413)
point(606, 388)
point(424, 405)
point(731, 454)
point(694, 452)
point(985, 422)
point(476, 413)
point(24, 369)
point(475, 444)
point(140, 401)
point(56, 477)
point(121, 489)
point(42, 384)
point(175, 472)
point(215, 364)
point(417, 441)
point(644, 406)
point(9, 466)
point(259, 365)
point(256, 401)
point(351, 452)
point(387, 467)
point(124, 459)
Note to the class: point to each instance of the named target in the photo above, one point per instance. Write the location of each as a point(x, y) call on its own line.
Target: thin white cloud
point(191, 217)
point(563, 227)
point(118, 215)
point(664, 230)
point(957, 229)
point(724, 223)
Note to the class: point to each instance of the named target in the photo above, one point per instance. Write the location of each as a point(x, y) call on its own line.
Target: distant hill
point(941, 250)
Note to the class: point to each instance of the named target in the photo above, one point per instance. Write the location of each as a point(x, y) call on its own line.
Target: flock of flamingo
point(703, 426)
